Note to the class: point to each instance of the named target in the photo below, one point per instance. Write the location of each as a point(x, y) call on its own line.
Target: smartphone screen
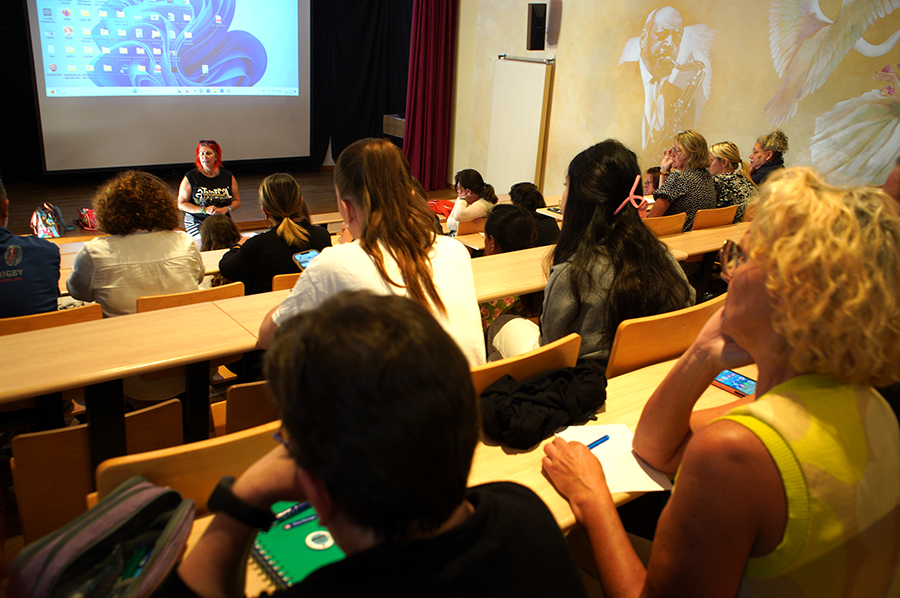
point(735, 383)
point(304, 257)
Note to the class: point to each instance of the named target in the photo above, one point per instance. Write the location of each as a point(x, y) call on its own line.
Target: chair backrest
point(225, 291)
point(666, 225)
point(84, 313)
point(52, 469)
point(245, 406)
point(644, 341)
point(714, 217)
point(281, 282)
point(558, 354)
point(471, 227)
point(193, 469)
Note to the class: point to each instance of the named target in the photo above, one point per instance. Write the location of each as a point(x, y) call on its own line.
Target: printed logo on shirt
point(13, 255)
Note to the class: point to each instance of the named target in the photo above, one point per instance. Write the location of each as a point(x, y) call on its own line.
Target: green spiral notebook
point(294, 547)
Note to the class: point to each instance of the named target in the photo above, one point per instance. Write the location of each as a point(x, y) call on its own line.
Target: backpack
point(47, 222)
point(125, 546)
point(86, 219)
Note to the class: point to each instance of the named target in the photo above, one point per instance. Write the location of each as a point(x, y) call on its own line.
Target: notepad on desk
point(294, 547)
point(625, 471)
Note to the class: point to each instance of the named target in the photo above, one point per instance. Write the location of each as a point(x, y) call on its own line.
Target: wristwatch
point(229, 209)
point(223, 500)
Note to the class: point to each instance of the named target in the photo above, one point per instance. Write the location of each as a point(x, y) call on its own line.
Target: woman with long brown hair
point(396, 249)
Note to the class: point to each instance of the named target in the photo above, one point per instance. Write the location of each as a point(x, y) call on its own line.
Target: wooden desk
point(99, 354)
point(508, 274)
point(249, 311)
point(626, 396)
point(474, 240)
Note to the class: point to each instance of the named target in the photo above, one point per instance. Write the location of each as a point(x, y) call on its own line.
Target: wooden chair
point(63, 317)
point(558, 354)
point(245, 406)
point(155, 302)
point(644, 341)
point(281, 282)
point(193, 469)
point(714, 217)
point(666, 225)
point(471, 227)
point(52, 470)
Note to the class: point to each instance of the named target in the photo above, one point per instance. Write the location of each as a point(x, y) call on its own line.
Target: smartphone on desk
point(735, 383)
point(303, 258)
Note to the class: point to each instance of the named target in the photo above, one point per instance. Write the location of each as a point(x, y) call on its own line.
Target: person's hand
point(216, 210)
point(271, 479)
point(574, 471)
point(714, 344)
point(668, 159)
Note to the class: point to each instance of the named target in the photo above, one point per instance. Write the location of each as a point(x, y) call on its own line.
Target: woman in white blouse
point(474, 200)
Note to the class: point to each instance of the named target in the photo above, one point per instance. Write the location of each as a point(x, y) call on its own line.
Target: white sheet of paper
point(625, 471)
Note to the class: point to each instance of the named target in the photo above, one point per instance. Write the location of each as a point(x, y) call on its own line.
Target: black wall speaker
point(537, 26)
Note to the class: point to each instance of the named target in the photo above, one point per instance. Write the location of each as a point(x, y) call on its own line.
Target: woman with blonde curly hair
point(143, 254)
point(731, 177)
point(687, 185)
point(793, 491)
point(396, 249)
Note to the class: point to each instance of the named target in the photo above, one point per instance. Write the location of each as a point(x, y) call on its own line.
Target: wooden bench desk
point(706, 242)
point(99, 354)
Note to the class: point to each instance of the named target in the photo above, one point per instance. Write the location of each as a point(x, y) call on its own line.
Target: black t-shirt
point(261, 257)
point(510, 546)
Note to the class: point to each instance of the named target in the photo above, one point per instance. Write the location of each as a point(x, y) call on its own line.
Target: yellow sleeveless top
point(837, 447)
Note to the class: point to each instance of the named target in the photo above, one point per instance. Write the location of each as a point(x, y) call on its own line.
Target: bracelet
point(229, 209)
point(223, 500)
point(203, 210)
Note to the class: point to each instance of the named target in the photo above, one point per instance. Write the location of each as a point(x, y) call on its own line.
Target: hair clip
point(638, 201)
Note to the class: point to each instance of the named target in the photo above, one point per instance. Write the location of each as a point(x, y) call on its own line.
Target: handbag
point(86, 219)
point(124, 547)
point(47, 222)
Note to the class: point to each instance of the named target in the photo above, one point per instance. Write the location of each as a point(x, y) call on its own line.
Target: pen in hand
point(598, 442)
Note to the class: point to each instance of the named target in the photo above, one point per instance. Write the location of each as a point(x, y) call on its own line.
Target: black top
point(763, 172)
point(261, 257)
point(547, 230)
point(510, 546)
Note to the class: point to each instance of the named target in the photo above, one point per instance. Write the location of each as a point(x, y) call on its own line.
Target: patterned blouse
point(732, 188)
point(687, 192)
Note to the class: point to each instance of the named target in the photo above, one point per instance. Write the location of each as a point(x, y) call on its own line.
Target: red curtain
point(432, 52)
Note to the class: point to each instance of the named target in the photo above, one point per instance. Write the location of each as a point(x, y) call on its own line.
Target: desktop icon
point(67, 31)
point(154, 17)
point(140, 51)
point(48, 32)
point(104, 49)
point(154, 33)
point(85, 31)
point(171, 34)
point(107, 68)
point(104, 31)
point(142, 68)
point(88, 50)
point(52, 68)
point(218, 19)
point(188, 35)
point(122, 33)
point(71, 67)
point(89, 68)
point(48, 12)
point(85, 13)
point(186, 17)
point(102, 14)
point(157, 51)
point(123, 50)
point(70, 49)
point(120, 14)
point(139, 33)
point(66, 12)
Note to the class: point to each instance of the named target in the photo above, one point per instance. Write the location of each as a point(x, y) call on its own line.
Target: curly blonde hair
point(134, 200)
point(831, 257)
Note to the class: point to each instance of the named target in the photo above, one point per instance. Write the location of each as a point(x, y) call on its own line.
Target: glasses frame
point(731, 256)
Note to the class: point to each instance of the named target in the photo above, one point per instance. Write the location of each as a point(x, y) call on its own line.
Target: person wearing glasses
point(381, 444)
point(687, 185)
point(792, 491)
point(208, 189)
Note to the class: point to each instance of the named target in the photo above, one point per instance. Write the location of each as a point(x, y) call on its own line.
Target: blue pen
point(598, 442)
point(301, 521)
point(291, 511)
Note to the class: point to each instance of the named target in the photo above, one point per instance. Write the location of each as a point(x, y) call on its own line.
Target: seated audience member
point(794, 492)
point(509, 228)
point(381, 446)
point(691, 187)
point(255, 260)
point(143, 254)
point(395, 250)
point(607, 266)
point(475, 199)
point(768, 155)
point(731, 176)
point(651, 180)
point(527, 196)
point(217, 232)
point(29, 274)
